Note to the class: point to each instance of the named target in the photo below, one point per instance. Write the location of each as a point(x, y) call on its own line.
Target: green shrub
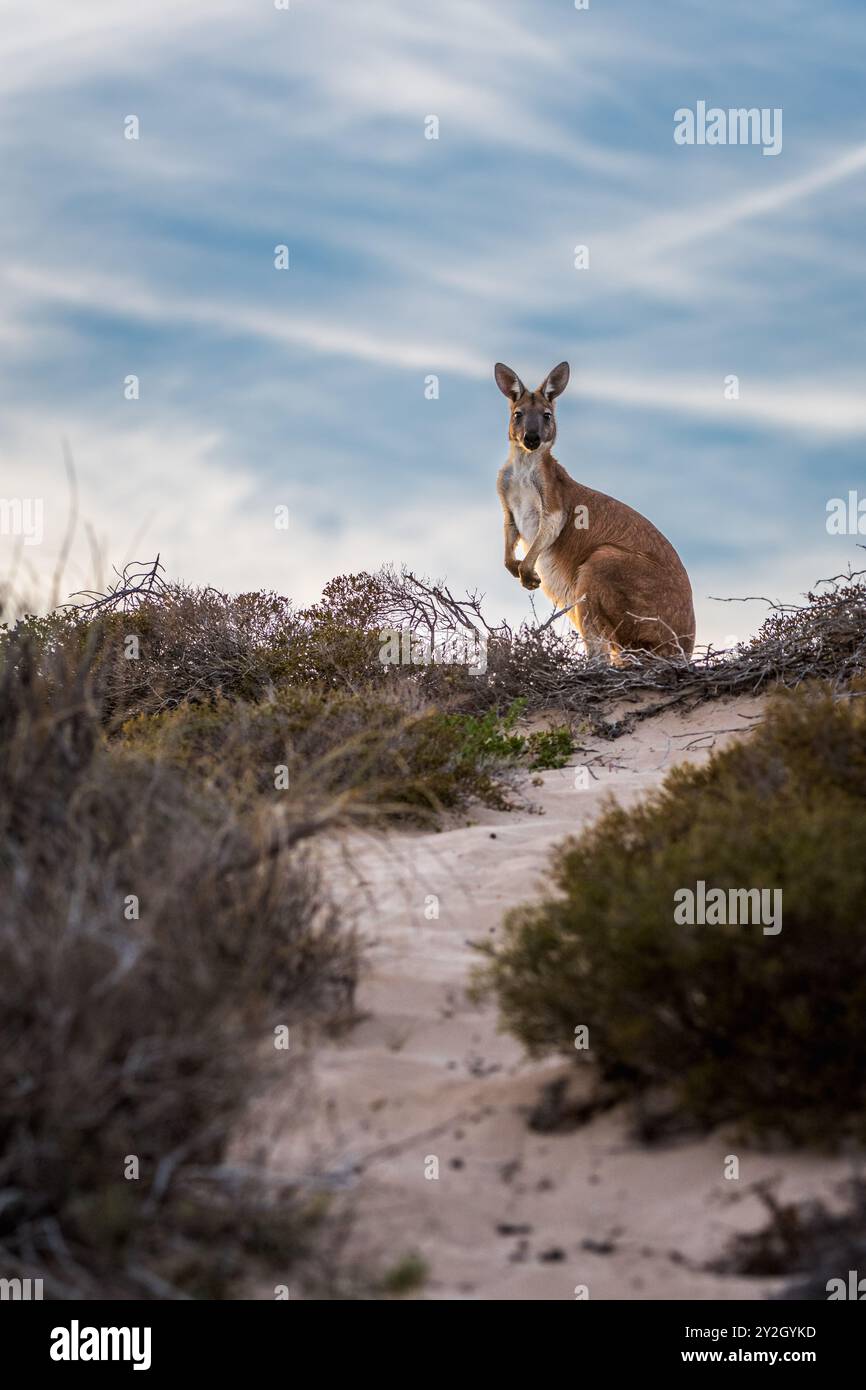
point(407, 1276)
point(767, 1030)
point(370, 748)
point(550, 748)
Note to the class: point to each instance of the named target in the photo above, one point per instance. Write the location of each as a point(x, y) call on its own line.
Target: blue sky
point(411, 257)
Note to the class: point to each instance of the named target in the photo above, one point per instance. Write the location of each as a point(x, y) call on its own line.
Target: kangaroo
point(622, 582)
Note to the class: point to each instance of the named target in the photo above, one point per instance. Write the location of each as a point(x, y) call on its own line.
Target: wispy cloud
point(411, 257)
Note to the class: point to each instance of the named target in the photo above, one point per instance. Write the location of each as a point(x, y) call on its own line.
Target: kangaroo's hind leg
point(602, 615)
point(583, 614)
point(622, 603)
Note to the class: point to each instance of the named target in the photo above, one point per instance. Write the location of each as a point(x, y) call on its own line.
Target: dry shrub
point(197, 644)
point(143, 1037)
point(804, 1239)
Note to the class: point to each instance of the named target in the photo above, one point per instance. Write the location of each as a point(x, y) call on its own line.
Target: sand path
point(513, 1214)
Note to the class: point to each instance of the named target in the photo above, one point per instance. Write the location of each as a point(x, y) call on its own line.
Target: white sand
point(426, 1074)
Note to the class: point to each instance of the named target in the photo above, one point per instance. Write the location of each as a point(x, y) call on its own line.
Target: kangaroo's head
point(533, 419)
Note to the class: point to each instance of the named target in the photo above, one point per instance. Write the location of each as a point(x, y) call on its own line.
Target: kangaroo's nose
point(531, 441)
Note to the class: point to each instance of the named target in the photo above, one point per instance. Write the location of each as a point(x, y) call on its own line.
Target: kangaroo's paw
point(513, 568)
point(528, 578)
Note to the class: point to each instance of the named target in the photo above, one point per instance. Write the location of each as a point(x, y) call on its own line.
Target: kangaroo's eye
point(548, 415)
point(518, 414)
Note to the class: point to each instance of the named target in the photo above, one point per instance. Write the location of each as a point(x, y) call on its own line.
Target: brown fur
point(622, 581)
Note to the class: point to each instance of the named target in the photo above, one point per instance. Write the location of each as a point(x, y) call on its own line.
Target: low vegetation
point(733, 1023)
point(165, 754)
point(375, 703)
point(363, 754)
point(152, 938)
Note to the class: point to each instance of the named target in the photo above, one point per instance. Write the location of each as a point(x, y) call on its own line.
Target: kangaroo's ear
point(508, 381)
point(556, 381)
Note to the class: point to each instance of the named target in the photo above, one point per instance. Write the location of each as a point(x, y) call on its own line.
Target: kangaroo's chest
point(523, 494)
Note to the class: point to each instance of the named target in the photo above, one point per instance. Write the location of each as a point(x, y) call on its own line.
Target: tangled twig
point(136, 582)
